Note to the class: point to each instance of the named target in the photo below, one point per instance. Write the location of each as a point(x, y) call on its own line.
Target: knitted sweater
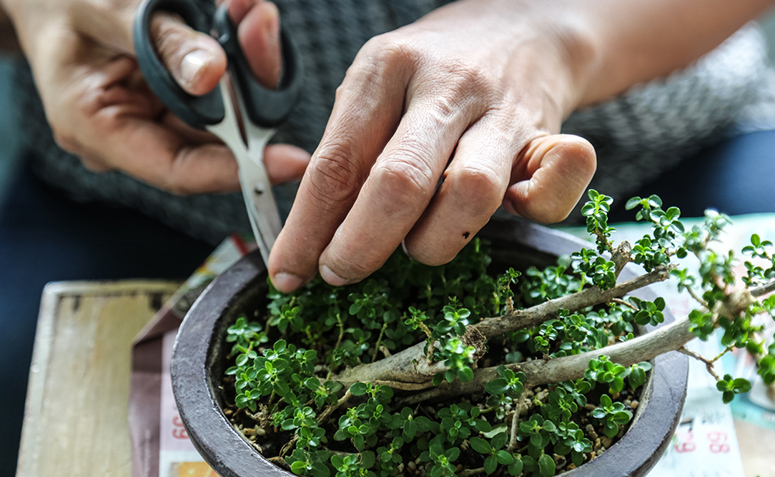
point(637, 136)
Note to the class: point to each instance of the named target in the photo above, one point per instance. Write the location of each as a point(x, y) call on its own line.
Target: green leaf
point(504, 458)
point(410, 429)
point(480, 445)
point(452, 454)
point(637, 377)
point(546, 466)
point(499, 441)
point(358, 389)
point(497, 386)
point(516, 467)
point(632, 203)
point(319, 469)
point(482, 426)
point(742, 385)
point(727, 397)
point(466, 374)
point(367, 459)
point(490, 465)
point(298, 467)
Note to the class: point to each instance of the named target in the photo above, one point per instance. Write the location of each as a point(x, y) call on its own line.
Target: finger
point(397, 191)
point(259, 35)
point(365, 114)
point(195, 59)
point(157, 155)
point(238, 9)
point(474, 185)
point(551, 177)
point(285, 163)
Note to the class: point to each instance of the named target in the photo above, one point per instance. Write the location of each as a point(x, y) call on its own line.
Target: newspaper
point(160, 445)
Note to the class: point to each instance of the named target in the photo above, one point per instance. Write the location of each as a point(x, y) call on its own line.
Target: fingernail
point(332, 278)
point(192, 64)
point(286, 282)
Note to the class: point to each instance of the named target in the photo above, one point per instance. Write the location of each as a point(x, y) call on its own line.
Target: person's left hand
point(99, 107)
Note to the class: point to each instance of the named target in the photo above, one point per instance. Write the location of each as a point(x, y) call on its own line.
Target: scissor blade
point(261, 206)
point(256, 187)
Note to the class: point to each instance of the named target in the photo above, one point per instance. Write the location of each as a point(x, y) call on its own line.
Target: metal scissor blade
point(262, 209)
point(256, 187)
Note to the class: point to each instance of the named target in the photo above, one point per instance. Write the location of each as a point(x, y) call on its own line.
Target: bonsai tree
point(451, 370)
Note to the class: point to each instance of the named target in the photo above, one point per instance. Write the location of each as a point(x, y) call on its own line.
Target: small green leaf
point(358, 389)
point(480, 445)
point(546, 466)
point(504, 458)
point(490, 465)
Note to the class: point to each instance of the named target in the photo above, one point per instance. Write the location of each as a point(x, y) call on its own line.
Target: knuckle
point(405, 178)
point(389, 51)
point(379, 59)
point(464, 80)
point(467, 77)
point(333, 177)
point(461, 88)
point(481, 183)
point(167, 35)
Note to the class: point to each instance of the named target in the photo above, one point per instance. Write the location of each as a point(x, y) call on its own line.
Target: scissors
point(247, 129)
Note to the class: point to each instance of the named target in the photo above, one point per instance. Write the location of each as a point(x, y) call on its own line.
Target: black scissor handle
point(196, 111)
point(265, 107)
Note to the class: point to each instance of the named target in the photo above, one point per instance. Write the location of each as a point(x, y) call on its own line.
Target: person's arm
point(475, 92)
point(99, 107)
point(640, 40)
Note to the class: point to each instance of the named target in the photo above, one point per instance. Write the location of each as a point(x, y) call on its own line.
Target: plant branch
point(763, 289)
point(646, 347)
point(535, 315)
point(412, 366)
point(699, 357)
point(471, 472)
point(330, 409)
point(555, 370)
point(621, 256)
point(696, 297)
point(629, 305)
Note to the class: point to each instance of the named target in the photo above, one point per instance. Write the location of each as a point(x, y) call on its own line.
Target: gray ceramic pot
point(197, 365)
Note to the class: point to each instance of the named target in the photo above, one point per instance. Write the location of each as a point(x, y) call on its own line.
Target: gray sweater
point(637, 136)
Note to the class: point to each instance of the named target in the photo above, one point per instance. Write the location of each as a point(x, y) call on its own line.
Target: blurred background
point(91, 242)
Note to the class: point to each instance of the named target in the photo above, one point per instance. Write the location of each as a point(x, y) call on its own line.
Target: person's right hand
point(100, 108)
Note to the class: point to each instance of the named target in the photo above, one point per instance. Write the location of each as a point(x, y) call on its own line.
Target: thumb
point(195, 59)
point(551, 177)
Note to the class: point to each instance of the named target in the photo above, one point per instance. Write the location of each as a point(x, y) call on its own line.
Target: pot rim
point(231, 455)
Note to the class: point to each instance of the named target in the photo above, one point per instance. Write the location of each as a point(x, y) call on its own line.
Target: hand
point(100, 108)
point(473, 93)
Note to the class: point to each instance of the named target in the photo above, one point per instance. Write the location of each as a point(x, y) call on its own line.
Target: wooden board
point(75, 420)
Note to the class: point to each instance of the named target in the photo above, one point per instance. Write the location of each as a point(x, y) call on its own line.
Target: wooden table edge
point(52, 293)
